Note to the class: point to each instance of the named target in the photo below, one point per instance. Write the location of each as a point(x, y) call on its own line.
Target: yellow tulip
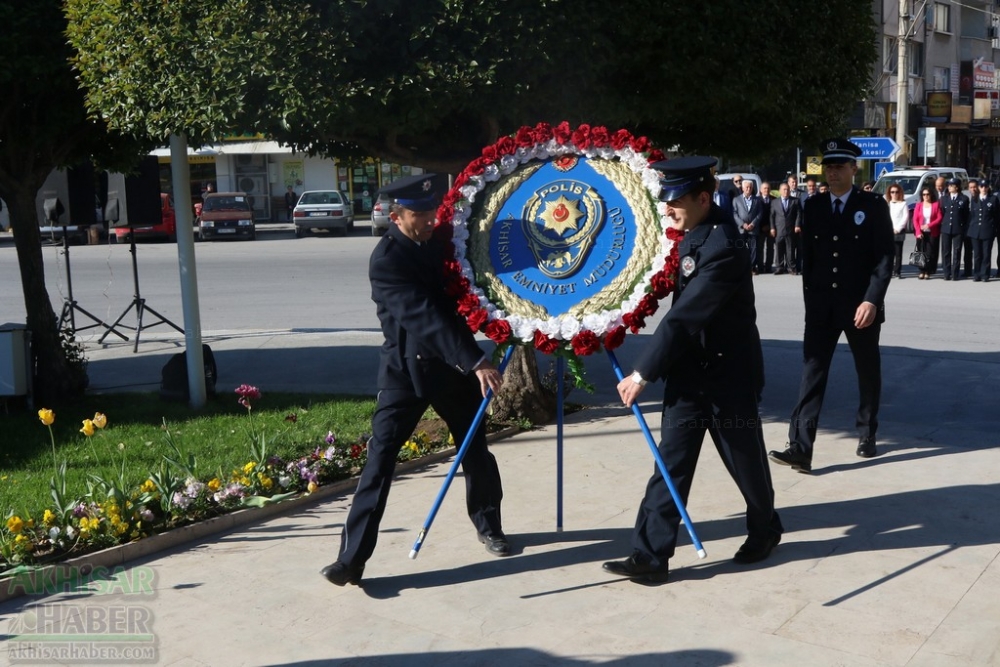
point(47, 416)
point(48, 518)
point(88, 428)
point(100, 421)
point(15, 524)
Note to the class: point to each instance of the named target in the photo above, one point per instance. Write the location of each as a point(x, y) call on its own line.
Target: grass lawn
point(139, 432)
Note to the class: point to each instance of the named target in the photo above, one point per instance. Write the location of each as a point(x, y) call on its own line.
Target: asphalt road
point(301, 309)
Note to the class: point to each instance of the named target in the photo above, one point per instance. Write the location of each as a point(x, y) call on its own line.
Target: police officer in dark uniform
point(429, 357)
point(954, 226)
point(846, 266)
point(982, 229)
point(707, 351)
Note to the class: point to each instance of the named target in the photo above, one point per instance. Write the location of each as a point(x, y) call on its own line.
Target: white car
point(914, 179)
point(726, 181)
point(324, 210)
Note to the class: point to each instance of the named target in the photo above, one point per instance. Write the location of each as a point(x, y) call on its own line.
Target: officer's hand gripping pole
point(458, 460)
point(659, 463)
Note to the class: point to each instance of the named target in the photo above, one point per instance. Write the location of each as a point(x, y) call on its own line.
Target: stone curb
point(78, 569)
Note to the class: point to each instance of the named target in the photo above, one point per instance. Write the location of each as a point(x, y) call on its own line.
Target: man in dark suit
point(985, 210)
point(707, 351)
point(429, 357)
point(748, 213)
point(954, 226)
point(847, 260)
point(765, 241)
point(721, 198)
point(784, 218)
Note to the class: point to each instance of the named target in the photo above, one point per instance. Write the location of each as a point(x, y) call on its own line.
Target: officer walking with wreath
point(707, 351)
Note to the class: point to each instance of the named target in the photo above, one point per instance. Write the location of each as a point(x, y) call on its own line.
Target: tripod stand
point(70, 306)
point(137, 302)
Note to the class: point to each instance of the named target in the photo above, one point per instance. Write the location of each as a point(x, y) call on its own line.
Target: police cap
point(413, 192)
point(682, 175)
point(839, 150)
point(954, 181)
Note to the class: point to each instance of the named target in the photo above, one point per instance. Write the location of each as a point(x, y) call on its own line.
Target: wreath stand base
point(560, 395)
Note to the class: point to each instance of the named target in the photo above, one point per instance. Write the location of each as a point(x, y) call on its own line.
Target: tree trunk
point(522, 395)
point(55, 378)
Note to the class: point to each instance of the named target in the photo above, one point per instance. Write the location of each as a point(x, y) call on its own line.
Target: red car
point(167, 227)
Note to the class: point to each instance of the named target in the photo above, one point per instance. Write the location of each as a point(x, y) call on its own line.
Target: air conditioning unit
point(246, 162)
point(252, 185)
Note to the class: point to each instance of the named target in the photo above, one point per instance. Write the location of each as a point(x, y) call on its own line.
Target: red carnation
point(634, 321)
point(457, 286)
point(562, 133)
point(498, 331)
point(542, 133)
point(468, 303)
point(490, 154)
point(506, 146)
point(660, 285)
point(460, 181)
point(640, 144)
point(599, 136)
point(581, 136)
point(648, 306)
point(477, 319)
point(525, 137)
point(620, 139)
point(655, 155)
point(476, 167)
point(586, 342)
point(614, 338)
point(545, 344)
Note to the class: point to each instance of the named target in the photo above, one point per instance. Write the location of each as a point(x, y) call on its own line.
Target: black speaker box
point(135, 199)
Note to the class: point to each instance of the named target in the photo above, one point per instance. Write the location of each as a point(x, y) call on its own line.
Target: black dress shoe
point(496, 544)
point(792, 457)
point(756, 548)
point(341, 574)
point(639, 570)
point(866, 448)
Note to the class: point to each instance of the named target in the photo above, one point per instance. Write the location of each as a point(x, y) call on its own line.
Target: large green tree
point(429, 82)
point(43, 126)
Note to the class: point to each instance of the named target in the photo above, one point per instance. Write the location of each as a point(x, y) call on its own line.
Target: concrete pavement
point(891, 561)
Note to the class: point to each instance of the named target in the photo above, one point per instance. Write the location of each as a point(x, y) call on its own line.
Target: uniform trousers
point(818, 345)
point(967, 252)
point(735, 427)
point(951, 254)
point(982, 251)
point(396, 415)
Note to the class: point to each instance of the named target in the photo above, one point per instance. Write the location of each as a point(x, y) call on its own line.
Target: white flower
point(53, 533)
point(568, 327)
point(550, 327)
point(469, 192)
point(491, 173)
point(508, 163)
point(70, 532)
point(146, 514)
point(284, 481)
point(180, 500)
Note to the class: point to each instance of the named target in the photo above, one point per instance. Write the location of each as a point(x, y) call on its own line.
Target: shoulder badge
point(859, 217)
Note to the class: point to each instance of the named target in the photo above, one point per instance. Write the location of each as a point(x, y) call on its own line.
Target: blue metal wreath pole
point(560, 395)
point(458, 459)
point(659, 462)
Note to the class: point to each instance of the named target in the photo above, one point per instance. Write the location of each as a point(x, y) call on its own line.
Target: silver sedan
point(322, 209)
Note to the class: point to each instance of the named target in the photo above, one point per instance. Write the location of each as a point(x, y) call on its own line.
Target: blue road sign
point(882, 168)
point(876, 148)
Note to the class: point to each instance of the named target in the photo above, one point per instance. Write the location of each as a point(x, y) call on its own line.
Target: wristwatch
point(638, 379)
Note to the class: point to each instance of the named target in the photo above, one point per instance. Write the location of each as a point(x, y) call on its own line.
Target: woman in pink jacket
point(927, 229)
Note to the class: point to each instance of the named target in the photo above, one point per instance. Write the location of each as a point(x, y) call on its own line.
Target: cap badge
point(687, 266)
point(859, 217)
point(830, 146)
point(426, 185)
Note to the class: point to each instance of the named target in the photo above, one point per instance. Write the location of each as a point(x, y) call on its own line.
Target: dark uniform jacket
point(708, 340)
point(954, 214)
point(846, 259)
point(424, 334)
point(983, 214)
point(784, 219)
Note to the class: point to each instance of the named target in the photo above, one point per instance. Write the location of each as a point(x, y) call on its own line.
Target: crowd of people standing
point(952, 229)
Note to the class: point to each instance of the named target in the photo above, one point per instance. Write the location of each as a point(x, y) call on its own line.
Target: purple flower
point(328, 454)
point(80, 511)
point(330, 438)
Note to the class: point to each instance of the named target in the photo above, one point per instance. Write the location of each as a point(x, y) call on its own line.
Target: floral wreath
point(564, 335)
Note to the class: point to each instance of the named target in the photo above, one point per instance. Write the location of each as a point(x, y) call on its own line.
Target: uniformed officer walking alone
point(847, 246)
point(429, 357)
point(707, 351)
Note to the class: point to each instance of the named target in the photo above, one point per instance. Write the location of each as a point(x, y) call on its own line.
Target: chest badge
point(687, 266)
point(859, 217)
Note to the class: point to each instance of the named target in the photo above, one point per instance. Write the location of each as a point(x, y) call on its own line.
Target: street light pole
point(903, 81)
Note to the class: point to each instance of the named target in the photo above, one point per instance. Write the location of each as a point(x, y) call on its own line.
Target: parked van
point(914, 179)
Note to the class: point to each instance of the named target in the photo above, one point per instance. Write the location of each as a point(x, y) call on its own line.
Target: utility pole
point(903, 83)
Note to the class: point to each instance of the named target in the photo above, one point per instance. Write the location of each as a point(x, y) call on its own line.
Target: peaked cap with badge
point(682, 175)
point(416, 192)
point(839, 150)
